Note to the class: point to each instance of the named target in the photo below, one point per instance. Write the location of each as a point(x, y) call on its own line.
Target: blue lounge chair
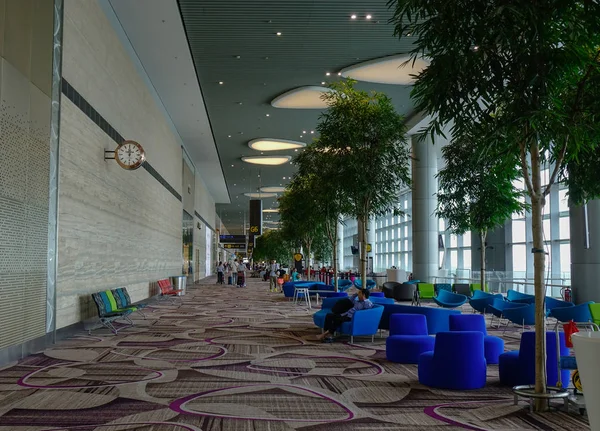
point(523, 298)
point(552, 303)
point(523, 315)
point(344, 284)
point(449, 300)
point(577, 313)
point(480, 301)
point(370, 284)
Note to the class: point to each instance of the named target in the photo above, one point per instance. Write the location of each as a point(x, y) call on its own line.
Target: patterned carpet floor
point(223, 358)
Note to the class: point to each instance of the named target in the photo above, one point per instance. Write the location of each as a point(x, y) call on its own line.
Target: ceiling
point(235, 42)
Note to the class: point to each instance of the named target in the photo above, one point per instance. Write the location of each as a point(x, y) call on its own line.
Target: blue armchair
point(457, 362)
point(344, 284)
point(437, 318)
point(524, 298)
point(480, 301)
point(380, 300)
point(518, 366)
point(523, 315)
point(577, 313)
point(364, 322)
point(370, 283)
point(498, 306)
point(493, 346)
point(449, 300)
point(552, 303)
point(408, 338)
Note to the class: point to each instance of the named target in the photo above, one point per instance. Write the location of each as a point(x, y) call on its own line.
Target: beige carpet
point(225, 358)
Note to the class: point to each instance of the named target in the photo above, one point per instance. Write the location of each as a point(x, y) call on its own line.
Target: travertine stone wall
point(116, 227)
point(25, 89)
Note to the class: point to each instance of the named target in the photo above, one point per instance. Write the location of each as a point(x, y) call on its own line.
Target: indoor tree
point(476, 192)
point(365, 136)
point(320, 171)
point(532, 66)
point(272, 245)
point(300, 220)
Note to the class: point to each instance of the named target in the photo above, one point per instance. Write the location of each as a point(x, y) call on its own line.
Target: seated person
point(343, 311)
point(295, 275)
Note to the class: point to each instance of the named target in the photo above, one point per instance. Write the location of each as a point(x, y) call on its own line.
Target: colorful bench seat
point(109, 311)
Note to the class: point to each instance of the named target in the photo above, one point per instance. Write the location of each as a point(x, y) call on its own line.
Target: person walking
point(220, 270)
point(234, 271)
point(273, 276)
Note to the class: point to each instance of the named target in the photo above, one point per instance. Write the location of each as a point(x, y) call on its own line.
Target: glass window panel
point(453, 240)
point(563, 229)
point(467, 259)
point(406, 244)
point(563, 201)
point(545, 176)
point(565, 259)
point(519, 258)
point(442, 223)
point(467, 239)
point(518, 231)
point(406, 231)
point(453, 259)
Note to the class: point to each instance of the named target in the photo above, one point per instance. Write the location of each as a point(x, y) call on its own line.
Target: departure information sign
point(230, 246)
point(232, 239)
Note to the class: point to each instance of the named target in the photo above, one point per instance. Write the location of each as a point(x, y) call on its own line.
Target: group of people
point(236, 273)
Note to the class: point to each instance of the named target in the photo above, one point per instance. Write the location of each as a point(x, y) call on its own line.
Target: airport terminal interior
point(145, 146)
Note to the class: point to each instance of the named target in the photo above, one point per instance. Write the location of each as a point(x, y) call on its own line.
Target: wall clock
point(130, 155)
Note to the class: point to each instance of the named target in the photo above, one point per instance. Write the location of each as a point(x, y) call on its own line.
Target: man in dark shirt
point(334, 320)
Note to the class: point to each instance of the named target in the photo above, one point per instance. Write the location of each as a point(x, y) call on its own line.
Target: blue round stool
point(377, 295)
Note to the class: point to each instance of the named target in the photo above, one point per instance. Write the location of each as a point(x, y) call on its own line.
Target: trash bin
point(179, 283)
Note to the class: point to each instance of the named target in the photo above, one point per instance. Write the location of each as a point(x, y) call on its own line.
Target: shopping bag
point(570, 329)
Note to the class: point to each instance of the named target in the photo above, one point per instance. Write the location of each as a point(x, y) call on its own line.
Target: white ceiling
point(156, 32)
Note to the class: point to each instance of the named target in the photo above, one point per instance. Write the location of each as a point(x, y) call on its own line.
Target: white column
point(340, 246)
point(585, 253)
point(424, 202)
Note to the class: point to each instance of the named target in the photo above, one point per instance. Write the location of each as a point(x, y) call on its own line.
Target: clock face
point(130, 155)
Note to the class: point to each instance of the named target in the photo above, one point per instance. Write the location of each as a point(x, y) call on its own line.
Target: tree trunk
point(362, 226)
point(539, 257)
point(308, 262)
point(482, 237)
point(335, 258)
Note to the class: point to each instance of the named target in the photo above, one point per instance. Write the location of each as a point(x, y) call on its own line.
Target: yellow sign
point(298, 257)
point(368, 248)
point(577, 381)
point(253, 229)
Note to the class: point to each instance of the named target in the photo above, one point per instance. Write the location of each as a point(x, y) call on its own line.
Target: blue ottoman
point(494, 347)
point(376, 295)
point(406, 349)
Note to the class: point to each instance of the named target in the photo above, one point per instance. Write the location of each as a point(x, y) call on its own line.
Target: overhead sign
point(230, 246)
point(250, 249)
point(298, 257)
point(255, 217)
point(232, 238)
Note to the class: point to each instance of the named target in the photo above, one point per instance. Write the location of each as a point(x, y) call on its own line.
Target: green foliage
point(272, 245)
point(364, 139)
point(476, 191)
point(531, 66)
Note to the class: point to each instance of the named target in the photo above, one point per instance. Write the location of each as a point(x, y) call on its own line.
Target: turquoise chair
point(577, 313)
point(480, 301)
point(552, 303)
point(523, 315)
point(524, 298)
point(449, 300)
point(497, 309)
point(344, 284)
point(370, 284)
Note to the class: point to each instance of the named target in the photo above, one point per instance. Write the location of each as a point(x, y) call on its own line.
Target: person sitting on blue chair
point(343, 311)
point(295, 275)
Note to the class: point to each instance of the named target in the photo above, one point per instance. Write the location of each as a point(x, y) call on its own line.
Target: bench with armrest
point(124, 301)
point(108, 311)
point(167, 291)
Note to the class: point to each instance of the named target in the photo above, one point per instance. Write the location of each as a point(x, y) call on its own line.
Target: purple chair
point(408, 338)
point(493, 346)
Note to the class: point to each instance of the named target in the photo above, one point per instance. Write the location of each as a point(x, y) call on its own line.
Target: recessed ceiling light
point(304, 131)
point(312, 132)
point(229, 136)
point(339, 73)
point(323, 83)
point(353, 16)
point(270, 144)
point(235, 184)
point(267, 115)
point(220, 82)
point(278, 33)
point(368, 17)
point(260, 195)
point(267, 160)
point(408, 34)
point(296, 149)
point(475, 48)
point(232, 166)
point(272, 189)
point(327, 73)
